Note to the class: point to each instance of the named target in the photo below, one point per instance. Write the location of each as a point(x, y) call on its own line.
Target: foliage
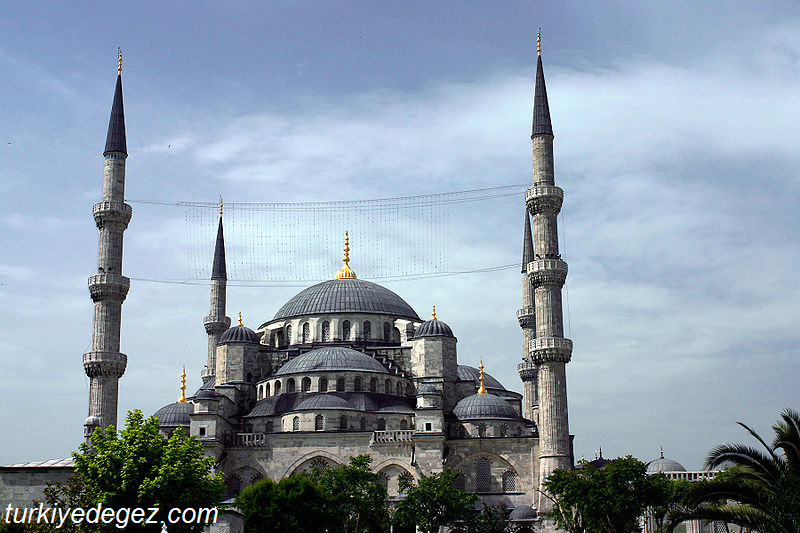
point(608, 499)
point(491, 519)
point(294, 503)
point(357, 501)
point(138, 467)
point(433, 502)
point(761, 490)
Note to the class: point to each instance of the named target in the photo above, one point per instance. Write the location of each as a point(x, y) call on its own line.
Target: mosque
point(348, 367)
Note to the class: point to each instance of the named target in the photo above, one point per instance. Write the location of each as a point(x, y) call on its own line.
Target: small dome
point(323, 401)
point(664, 465)
point(471, 373)
point(239, 334)
point(484, 406)
point(331, 358)
point(523, 512)
point(433, 328)
point(175, 414)
point(92, 421)
point(428, 388)
point(206, 394)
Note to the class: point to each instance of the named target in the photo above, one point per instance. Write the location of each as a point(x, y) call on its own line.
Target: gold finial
point(346, 272)
point(220, 205)
point(183, 399)
point(539, 42)
point(240, 320)
point(481, 390)
point(119, 61)
point(433, 315)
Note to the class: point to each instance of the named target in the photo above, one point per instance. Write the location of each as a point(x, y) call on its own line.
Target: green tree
point(761, 490)
point(610, 499)
point(433, 502)
point(357, 501)
point(139, 467)
point(491, 519)
point(294, 503)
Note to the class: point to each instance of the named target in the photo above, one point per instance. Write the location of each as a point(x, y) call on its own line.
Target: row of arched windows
point(398, 388)
point(390, 334)
point(319, 424)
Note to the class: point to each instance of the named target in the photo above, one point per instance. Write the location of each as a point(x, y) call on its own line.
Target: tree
point(433, 502)
point(608, 499)
point(761, 490)
point(294, 503)
point(491, 519)
point(357, 501)
point(139, 467)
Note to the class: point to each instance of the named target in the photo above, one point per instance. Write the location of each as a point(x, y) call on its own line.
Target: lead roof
point(115, 138)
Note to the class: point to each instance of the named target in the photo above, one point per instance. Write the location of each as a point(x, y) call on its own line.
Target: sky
point(676, 143)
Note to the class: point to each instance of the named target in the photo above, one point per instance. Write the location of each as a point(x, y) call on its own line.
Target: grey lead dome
point(346, 296)
point(239, 334)
point(331, 358)
point(433, 328)
point(484, 406)
point(175, 414)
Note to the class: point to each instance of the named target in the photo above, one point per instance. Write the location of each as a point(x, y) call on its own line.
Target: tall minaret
point(105, 364)
point(216, 322)
point(527, 321)
point(549, 350)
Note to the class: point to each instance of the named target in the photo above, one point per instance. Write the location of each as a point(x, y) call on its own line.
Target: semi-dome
point(433, 328)
point(331, 358)
point(523, 512)
point(467, 373)
point(483, 406)
point(175, 414)
point(323, 401)
point(239, 334)
point(663, 464)
point(346, 295)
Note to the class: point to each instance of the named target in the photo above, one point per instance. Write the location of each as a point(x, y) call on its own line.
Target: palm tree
point(760, 491)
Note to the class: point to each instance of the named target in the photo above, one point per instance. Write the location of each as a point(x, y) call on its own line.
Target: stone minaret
point(216, 322)
point(549, 350)
point(527, 321)
point(104, 364)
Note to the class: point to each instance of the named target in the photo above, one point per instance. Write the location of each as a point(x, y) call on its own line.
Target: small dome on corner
point(239, 334)
point(433, 328)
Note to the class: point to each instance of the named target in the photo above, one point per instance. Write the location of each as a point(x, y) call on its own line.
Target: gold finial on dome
point(346, 272)
point(433, 314)
point(240, 320)
point(481, 390)
point(119, 61)
point(183, 399)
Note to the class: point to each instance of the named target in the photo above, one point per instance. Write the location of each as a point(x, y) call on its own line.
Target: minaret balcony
point(104, 363)
point(550, 349)
point(108, 287)
point(527, 317)
point(545, 199)
point(112, 212)
point(551, 271)
point(216, 324)
point(527, 370)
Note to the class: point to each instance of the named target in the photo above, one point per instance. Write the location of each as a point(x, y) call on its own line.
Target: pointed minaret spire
point(115, 138)
point(527, 244)
point(216, 322)
point(219, 269)
point(541, 108)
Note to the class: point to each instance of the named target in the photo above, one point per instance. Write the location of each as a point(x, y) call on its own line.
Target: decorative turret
point(216, 322)
point(104, 364)
point(433, 357)
point(549, 351)
point(527, 321)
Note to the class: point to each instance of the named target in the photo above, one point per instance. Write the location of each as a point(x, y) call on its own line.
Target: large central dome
point(346, 296)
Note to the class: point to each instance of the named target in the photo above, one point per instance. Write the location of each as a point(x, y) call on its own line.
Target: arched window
point(323, 384)
point(277, 387)
point(306, 384)
point(381, 424)
point(266, 390)
point(306, 333)
point(483, 475)
point(290, 385)
point(296, 423)
point(357, 385)
point(460, 482)
point(326, 331)
point(343, 422)
point(340, 385)
point(288, 334)
point(396, 335)
point(404, 424)
point(363, 424)
point(367, 330)
point(373, 385)
point(387, 330)
point(503, 429)
point(318, 421)
point(399, 390)
point(270, 426)
point(346, 330)
point(383, 479)
point(404, 482)
point(509, 481)
point(481, 430)
point(387, 388)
